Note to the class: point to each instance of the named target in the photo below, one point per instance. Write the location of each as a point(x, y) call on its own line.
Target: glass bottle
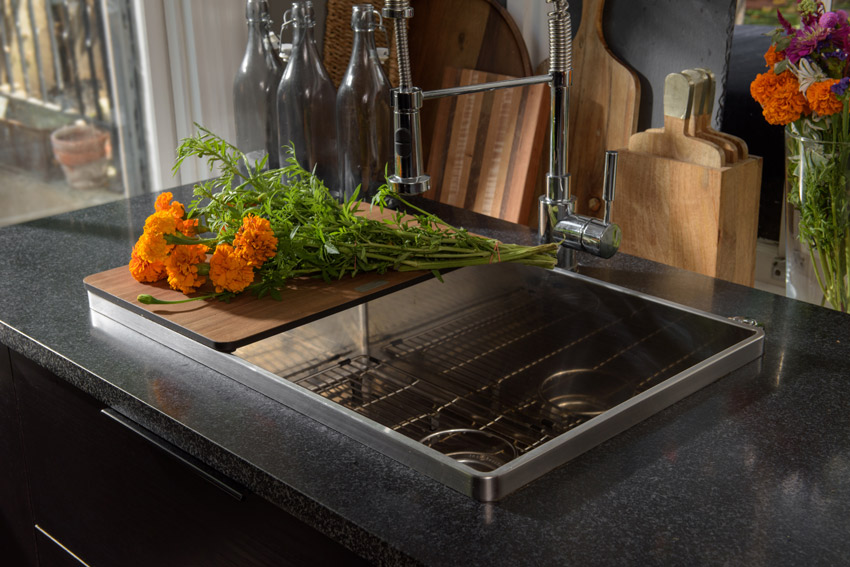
point(255, 78)
point(275, 64)
point(363, 114)
point(306, 101)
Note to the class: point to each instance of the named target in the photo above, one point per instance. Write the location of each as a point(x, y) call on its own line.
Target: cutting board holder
point(699, 218)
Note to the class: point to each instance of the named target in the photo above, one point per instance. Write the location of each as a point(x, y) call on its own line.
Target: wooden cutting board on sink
point(245, 319)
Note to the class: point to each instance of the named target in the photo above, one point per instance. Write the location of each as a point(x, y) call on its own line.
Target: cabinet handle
point(189, 461)
point(59, 543)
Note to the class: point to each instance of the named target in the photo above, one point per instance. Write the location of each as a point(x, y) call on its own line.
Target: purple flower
point(838, 54)
point(805, 42)
point(841, 86)
point(828, 20)
point(786, 25)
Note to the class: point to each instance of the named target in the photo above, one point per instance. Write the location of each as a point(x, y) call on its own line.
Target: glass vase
point(817, 221)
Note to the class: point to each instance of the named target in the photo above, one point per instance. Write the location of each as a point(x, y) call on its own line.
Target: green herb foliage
point(818, 163)
point(318, 236)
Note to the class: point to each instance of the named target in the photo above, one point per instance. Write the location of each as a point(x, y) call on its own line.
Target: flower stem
point(181, 239)
point(148, 299)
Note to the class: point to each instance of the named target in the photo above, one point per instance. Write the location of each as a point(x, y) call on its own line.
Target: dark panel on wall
point(665, 36)
point(742, 117)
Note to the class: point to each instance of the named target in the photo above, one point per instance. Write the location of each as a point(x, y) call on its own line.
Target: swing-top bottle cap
point(364, 17)
point(301, 15)
point(256, 10)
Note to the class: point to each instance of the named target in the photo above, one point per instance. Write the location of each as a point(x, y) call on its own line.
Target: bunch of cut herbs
point(265, 227)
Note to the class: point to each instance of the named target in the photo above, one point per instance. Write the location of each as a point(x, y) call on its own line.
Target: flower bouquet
point(805, 89)
point(252, 229)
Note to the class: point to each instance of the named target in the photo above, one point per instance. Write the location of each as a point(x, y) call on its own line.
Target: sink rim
point(484, 486)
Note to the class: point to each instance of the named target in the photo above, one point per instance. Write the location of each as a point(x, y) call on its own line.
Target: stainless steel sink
point(491, 379)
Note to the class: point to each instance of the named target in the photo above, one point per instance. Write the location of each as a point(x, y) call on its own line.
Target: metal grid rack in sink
point(492, 384)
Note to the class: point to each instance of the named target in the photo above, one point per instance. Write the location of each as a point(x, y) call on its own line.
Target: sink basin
point(489, 380)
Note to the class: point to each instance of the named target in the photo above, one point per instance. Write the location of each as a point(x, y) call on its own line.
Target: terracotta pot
point(83, 152)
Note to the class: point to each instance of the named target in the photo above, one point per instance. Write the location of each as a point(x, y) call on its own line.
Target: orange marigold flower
point(780, 97)
point(152, 246)
point(772, 57)
point(144, 271)
point(228, 270)
point(255, 241)
point(821, 99)
point(162, 222)
point(177, 210)
point(182, 267)
point(763, 86)
point(163, 202)
point(188, 227)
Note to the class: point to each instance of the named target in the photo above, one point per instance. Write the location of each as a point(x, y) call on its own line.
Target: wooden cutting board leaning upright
point(604, 105)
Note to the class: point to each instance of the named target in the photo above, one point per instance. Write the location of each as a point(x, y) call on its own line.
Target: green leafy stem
point(818, 163)
point(321, 237)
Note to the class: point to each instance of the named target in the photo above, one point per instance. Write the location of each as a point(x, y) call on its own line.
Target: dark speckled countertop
point(751, 470)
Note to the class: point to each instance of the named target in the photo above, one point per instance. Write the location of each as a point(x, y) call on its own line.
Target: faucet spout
point(408, 177)
point(557, 218)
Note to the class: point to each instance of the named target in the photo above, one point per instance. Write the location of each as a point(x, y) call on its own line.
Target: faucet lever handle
point(609, 183)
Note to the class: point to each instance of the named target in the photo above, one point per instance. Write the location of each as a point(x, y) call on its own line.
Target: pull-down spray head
point(407, 177)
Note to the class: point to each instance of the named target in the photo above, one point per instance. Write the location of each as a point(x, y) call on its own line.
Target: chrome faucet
point(558, 220)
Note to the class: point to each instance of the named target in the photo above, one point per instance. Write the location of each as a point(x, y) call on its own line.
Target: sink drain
point(583, 392)
point(476, 449)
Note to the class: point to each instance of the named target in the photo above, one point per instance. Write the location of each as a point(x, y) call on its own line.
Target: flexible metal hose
point(560, 37)
point(397, 9)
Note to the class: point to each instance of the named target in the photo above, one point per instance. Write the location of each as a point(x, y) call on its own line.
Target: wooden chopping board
point(464, 34)
point(485, 155)
point(246, 319)
point(604, 105)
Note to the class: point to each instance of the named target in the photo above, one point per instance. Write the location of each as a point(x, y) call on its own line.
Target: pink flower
point(805, 42)
point(828, 20)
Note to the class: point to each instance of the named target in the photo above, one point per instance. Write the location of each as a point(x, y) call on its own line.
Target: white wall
point(530, 17)
point(189, 53)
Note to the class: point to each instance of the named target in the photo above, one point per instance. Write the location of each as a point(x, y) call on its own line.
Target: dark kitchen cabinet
point(113, 493)
point(17, 540)
point(51, 552)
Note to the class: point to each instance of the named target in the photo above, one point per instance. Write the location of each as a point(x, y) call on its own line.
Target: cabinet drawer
point(116, 494)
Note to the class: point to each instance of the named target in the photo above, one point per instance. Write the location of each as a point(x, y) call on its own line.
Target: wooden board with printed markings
point(246, 319)
point(486, 150)
point(463, 34)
